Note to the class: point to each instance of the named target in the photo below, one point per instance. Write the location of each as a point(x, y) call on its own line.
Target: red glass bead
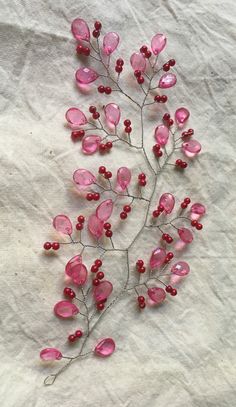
point(184, 164)
point(89, 196)
point(127, 208)
point(127, 122)
point(166, 67)
point(47, 245)
point(184, 205)
point(96, 282)
point(55, 246)
point(100, 275)
point(98, 262)
point(118, 69)
point(164, 98)
point(143, 49)
point(108, 233)
point(72, 338)
point(102, 147)
point(142, 182)
point(194, 223)
point(142, 269)
point(96, 196)
point(148, 54)
point(128, 129)
point(97, 25)
point(86, 51)
point(79, 49)
point(94, 268)
point(101, 89)
point(172, 62)
point(155, 214)
point(109, 145)
point(137, 73)
point(142, 176)
point(173, 292)
point(78, 333)
point(96, 33)
point(139, 263)
point(170, 122)
point(79, 226)
point(108, 174)
point(187, 200)
point(107, 226)
point(66, 291)
point(157, 98)
point(108, 90)
point(141, 299)
point(81, 219)
point(199, 226)
point(96, 115)
point(142, 305)
point(76, 135)
point(100, 306)
point(140, 80)
point(92, 109)
point(71, 294)
point(166, 117)
point(102, 170)
point(123, 215)
point(120, 62)
point(168, 289)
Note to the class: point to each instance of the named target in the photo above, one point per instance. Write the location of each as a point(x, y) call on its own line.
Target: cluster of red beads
point(53, 245)
point(119, 65)
point(160, 98)
point(83, 50)
point(140, 266)
point(93, 196)
point(166, 67)
point(94, 112)
point(171, 290)
point(77, 134)
point(104, 89)
point(196, 224)
point(187, 133)
point(126, 209)
point(185, 203)
point(142, 180)
point(169, 257)
point(167, 238)
point(138, 76)
point(127, 124)
point(95, 267)
point(145, 51)
point(97, 29)
point(69, 293)
point(181, 164)
point(105, 147)
point(74, 337)
point(141, 302)
point(80, 224)
point(103, 171)
point(157, 150)
point(107, 227)
point(158, 211)
point(167, 120)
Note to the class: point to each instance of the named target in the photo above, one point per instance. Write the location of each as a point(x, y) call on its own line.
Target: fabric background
point(184, 353)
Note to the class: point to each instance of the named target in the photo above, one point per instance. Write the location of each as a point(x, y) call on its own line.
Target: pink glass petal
point(167, 81)
point(110, 42)
point(162, 135)
point(80, 29)
point(83, 177)
point(156, 294)
point(181, 116)
point(112, 113)
point(72, 262)
point(123, 177)
point(77, 271)
point(102, 291)
point(197, 210)
point(181, 268)
point(158, 43)
point(157, 258)
point(104, 210)
point(95, 226)
point(86, 76)
point(90, 144)
point(65, 309)
point(185, 235)
point(191, 148)
point(168, 202)
point(63, 224)
point(75, 118)
point(105, 347)
point(138, 62)
point(50, 354)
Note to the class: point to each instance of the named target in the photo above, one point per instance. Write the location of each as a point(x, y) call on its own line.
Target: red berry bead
point(98, 262)
point(108, 90)
point(86, 51)
point(155, 214)
point(79, 49)
point(166, 67)
point(173, 292)
point(141, 299)
point(169, 239)
point(157, 98)
point(97, 25)
point(148, 54)
point(164, 98)
point(127, 208)
point(108, 174)
point(128, 129)
point(109, 145)
point(142, 176)
point(123, 215)
point(94, 268)
point(76, 135)
point(168, 289)
point(178, 162)
point(96, 196)
point(118, 69)
point(81, 219)
point(172, 62)
point(96, 115)
point(66, 291)
point(108, 233)
point(71, 294)
point(120, 62)
point(184, 205)
point(142, 182)
point(127, 122)
point(142, 269)
point(140, 80)
point(101, 89)
point(160, 208)
point(96, 33)
point(96, 282)
point(199, 226)
point(78, 333)
point(187, 200)
point(184, 164)
point(47, 245)
point(55, 245)
point(89, 196)
point(194, 223)
point(92, 109)
point(107, 226)
point(142, 305)
point(170, 122)
point(170, 256)
point(137, 73)
point(72, 338)
point(100, 306)
point(166, 117)
point(100, 275)
point(143, 49)
point(139, 263)
point(102, 147)
point(164, 236)
point(79, 226)
point(102, 170)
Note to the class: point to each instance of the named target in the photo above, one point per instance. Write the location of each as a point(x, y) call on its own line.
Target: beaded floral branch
point(92, 296)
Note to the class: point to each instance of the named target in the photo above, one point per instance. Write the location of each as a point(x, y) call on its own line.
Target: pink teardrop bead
point(104, 210)
point(162, 135)
point(62, 224)
point(112, 113)
point(191, 148)
point(75, 118)
point(158, 43)
point(181, 116)
point(86, 76)
point(123, 177)
point(77, 272)
point(197, 210)
point(65, 309)
point(95, 226)
point(156, 294)
point(185, 235)
point(168, 202)
point(167, 81)
point(90, 144)
point(74, 260)
point(110, 42)
point(157, 258)
point(105, 347)
point(181, 268)
point(50, 354)
point(80, 29)
point(83, 177)
point(102, 291)
point(138, 62)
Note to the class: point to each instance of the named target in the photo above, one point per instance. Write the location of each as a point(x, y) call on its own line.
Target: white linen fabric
point(182, 354)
